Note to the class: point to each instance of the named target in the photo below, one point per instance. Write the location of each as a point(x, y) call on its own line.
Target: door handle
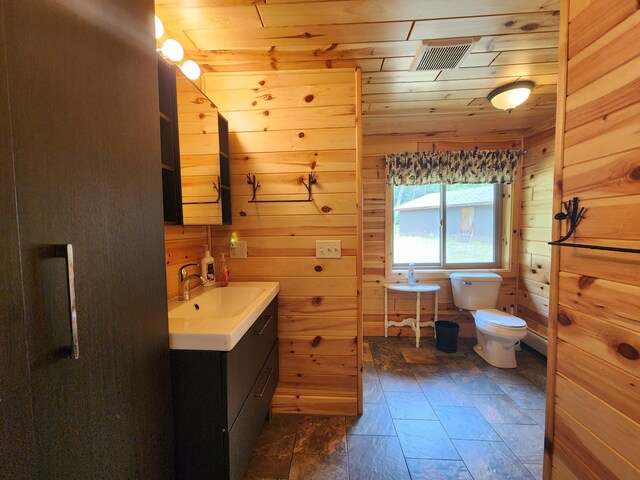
point(66, 251)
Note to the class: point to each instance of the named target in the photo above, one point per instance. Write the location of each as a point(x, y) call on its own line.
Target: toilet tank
point(474, 291)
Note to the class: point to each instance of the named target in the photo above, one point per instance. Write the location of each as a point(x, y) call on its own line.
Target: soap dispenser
point(223, 280)
point(207, 267)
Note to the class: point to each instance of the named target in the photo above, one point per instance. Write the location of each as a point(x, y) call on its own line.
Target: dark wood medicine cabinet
point(196, 180)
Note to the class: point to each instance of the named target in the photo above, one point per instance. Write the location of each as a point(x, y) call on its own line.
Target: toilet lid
point(498, 318)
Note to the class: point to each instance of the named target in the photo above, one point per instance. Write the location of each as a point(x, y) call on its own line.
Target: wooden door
point(83, 98)
point(16, 426)
point(593, 407)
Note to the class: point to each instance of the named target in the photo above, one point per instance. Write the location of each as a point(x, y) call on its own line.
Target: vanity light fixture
point(191, 69)
point(172, 50)
point(508, 97)
point(159, 28)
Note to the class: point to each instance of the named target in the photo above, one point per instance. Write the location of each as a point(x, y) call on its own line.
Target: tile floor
point(428, 415)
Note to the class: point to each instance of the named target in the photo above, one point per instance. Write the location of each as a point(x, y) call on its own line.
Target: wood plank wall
point(199, 154)
point(284, 125)
point(593, 427)
point(534, 254)
point(375, 273)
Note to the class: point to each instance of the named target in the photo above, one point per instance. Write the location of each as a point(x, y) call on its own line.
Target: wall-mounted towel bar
point(255, 184)
point(595, 247)
point(573, 214)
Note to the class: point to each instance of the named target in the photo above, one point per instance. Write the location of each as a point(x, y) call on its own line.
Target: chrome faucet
point(184, 281)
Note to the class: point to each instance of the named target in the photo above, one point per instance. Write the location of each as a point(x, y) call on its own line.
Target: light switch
point(328, 248)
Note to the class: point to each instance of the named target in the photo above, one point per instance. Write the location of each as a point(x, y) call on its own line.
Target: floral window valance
point(463, 166)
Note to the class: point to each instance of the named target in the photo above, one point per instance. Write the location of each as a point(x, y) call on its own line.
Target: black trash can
point(447, 336)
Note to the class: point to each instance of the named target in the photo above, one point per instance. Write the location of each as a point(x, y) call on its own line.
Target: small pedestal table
point(414, 323)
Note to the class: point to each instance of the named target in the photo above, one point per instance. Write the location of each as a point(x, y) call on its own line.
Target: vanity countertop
point(216, 318)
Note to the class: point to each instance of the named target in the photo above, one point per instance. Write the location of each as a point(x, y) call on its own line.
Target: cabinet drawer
point(246, 359)
point(247, 427)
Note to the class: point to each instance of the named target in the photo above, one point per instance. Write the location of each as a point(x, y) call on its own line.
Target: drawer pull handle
point(269, 371)
point(259, 332)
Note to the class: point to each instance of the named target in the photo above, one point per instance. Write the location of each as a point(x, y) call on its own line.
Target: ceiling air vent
point(442, 54)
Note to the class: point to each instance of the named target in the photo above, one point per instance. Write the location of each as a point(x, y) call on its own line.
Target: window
point(452, 226)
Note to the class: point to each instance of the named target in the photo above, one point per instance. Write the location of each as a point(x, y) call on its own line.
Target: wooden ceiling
point(518, 41)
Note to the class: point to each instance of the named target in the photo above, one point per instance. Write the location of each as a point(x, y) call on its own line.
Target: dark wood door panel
point(16, 439)
point(84, 103)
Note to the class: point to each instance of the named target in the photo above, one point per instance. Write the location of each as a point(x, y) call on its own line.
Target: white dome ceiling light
point(508, 97)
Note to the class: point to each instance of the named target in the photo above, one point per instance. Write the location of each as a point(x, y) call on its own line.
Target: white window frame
point(443, 265)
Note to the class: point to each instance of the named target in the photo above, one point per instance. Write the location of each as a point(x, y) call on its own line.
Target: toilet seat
point(496, 318)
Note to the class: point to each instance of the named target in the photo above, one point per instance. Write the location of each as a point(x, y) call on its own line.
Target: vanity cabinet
point(221, 400)
point(194, 178)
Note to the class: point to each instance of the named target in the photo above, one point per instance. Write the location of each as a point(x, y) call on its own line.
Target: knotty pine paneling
point(594, 323)
point(227, 38)
point(283, 125)
point(488, 122)
point(585, 369)
point(589, 457)
point(356, 11)
point(199, 161)
point(375, 271)
point(592, 20)
point(615, 430)
point(515, 40)
point(534, 254)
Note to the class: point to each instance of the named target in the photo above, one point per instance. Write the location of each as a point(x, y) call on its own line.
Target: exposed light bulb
point(172, 50)
point(159, 28)
point(191, 69)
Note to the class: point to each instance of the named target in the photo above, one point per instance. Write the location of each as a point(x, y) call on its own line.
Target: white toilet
point(497, 332)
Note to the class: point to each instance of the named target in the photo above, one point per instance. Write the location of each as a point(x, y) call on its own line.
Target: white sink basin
point(216, 318)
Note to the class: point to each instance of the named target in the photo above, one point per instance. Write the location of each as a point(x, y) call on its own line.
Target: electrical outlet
point(238, 249)
point(328, 248)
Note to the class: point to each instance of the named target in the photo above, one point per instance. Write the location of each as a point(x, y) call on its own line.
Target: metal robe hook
point(312, 181)
point(573, 214)
point(251, 180)
point(217, 189)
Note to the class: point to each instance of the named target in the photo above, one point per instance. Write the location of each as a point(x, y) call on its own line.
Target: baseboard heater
point(536, 341)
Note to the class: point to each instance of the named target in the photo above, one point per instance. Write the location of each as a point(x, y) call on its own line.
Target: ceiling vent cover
point(441, 54)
